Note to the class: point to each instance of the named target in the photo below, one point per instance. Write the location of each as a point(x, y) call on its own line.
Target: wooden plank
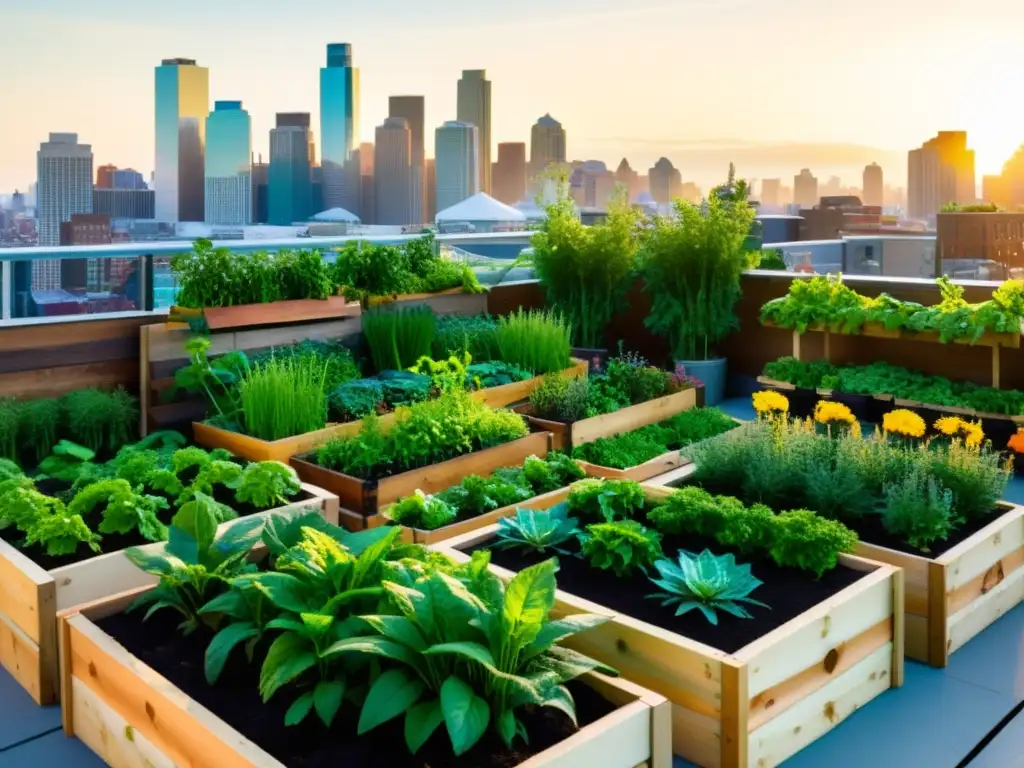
point(915, 574)
point(938, 627)
point(445, 474)
point(83, 330)
point(634, 417)
point(899, 630)
point(145, 395)
point(658, 466)
point(696, 737)
point(279, 313)
point(54, 382)
point(358, 496)
point(916, 638)
point(516, 391)
point(254, 449)
point(620, 738)
point(818, 636)
point(22, 596)
point(995, 367)
point(959, 598)
point(98, 351)
point(345, 331)
point(975, 555)
point(19, 655)
point(735, 713)
point(820, 712)
point(985, 610)
point(453, 302)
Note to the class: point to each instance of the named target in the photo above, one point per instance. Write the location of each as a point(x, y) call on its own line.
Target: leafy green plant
point(424, 512)
point(691, 264)
point(397, 338)
point(60, 533)
point(39, 427)
point(356, 399)
point(359, 456)
point(99, 420)
point(809, 542)
point(706, 583)
point(266, 484)
point(10, 424)
point(478, 495)
point(606, 500)
point(444, 374)
point(284, 398)
point(67, 461)
point(536, 341)
point(494, 374)
point(539, 530)
point(586, 271)
point(638, 382)
point(217, 380)
point(561, 397)
point(919, 510)
point(197, 562)
point(622, 546)
point(335, 356)
point(470, 662)
point(123, 509)
point(473, 334)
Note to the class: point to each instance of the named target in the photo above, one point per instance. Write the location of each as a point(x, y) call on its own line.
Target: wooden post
point(796, 344)
point(828, 347)
point(995, 366)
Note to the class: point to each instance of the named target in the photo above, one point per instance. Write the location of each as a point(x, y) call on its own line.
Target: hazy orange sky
point(644, 79)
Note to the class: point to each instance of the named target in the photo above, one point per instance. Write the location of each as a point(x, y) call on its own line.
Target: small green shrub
point(539, 530)
point(606, 500)
point(10, 424)
point(39, 427)
point(623, 547)
point(424, 512)
point(475, 334)
point(918, 510)
point(561, 397)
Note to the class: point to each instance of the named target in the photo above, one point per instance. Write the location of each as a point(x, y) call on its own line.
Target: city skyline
point(720, 117)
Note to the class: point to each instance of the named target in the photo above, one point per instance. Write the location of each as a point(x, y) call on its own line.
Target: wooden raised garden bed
point(517, 391)
point(130, 715)
point(273, 313)
point(31, 597)
point(364, 499)
point(568, 436)
point(452, 301)
point(763, 703)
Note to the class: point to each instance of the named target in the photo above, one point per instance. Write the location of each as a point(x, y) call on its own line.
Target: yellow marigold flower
point(829, 412)
point(968, 431)
point(903, 422)
point(769, 401)
point(949, 425)
point(973, 434)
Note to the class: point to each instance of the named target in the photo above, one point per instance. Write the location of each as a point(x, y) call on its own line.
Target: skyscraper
point(474, 107)
point(182, 103)
point(412, 109)
point(873, 185)
point(430, 184)
point(64, 175)
point(339, 129)
point(128, 178)
point(456, 156)
point(665, 181)
point(509, 173)
point(941, 171)
point(805, 189)
point(770, 191)
point(289, 178)
point(228, 193)
point(105, 176)
point(392, 172)
point(547, 144)
point(367, 188)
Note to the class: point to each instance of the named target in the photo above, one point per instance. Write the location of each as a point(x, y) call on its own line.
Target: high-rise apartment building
point(456, 156)
point(431, 186)
point(940, 171)
point(474, 107)
point(665, 181)
point(367, 187)
point(412, 109)
point(260, 190)
point(770, 189)
point(128, 178)
point(64, 174)
point(289, 178)
point(508, 176)
point(339, 129)
point(805, 189)
point(547, 144)
point(592, 184)
point(105, 176)
point(874, 185)
point(630, 179)
point(124, 203)
point(392, 172)
point(228, 192)
point(182, 104)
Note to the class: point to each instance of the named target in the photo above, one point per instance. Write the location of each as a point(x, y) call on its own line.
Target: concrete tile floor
point(936, 719)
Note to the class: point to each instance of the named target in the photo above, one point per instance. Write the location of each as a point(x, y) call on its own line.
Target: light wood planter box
point(755, 707)
point(448, 302)
point(952, 598)
point(254, 449)
point(543, 501)
point(31, 597)
point(569, 436)
point(367, 498)
point(130, 716)
point(273, 313)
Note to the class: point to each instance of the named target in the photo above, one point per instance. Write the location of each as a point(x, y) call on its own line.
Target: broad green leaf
point(373, 555)
point(529, 597)
point(240, 536)
point(287, 592)
point(182, 545)
point(198, 519)
point(154, 561)
point(473, 651)
point(376, 646)
point(289, 656)
point(316, 624)
point(299, 709)
point(554, 631)
point(560, 698)
point(466, 715)
point(166, 603)
point(505, 724)
point(281, 530)
point(327, 698)
point(564, 662)
point(452, 604)
point(397, 628)
point(223, 643)
point(390, 695)
point(287, 623)
point(421, 720)
point(359, 541)
point(231, 603)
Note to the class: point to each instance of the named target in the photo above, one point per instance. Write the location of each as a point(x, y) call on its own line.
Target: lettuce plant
point(266, 484)
point(469, 659)
point(427, 513)
point(606, 500)
point(706, 583)
point(123, 509)
point(622, 546)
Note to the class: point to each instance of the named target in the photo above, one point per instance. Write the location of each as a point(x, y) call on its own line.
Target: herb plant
point(397, 338)
point(623, 547)
point(421, 511)
point(536, 341)
point(706, 583)
point(284, 398)
point(606, 500)
point(539, 530)
point(473, 334)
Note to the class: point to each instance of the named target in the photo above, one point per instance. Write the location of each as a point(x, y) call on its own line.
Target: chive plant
point(397, 338)
point(539, 341)
point(285, 397)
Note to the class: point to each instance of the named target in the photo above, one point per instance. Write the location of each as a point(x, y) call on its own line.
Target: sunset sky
point(699, 81)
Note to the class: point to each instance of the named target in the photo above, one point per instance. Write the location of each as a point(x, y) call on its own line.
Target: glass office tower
point(289, 179)
point(228, 192)
point(339, 129)
point(182, 104)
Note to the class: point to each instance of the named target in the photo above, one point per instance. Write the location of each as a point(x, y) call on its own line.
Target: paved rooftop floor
point(967, 714)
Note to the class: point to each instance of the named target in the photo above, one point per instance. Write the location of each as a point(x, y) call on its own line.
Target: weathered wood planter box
point(31, 597)
point(758, 706)
point(129, 715)
point(272, 313)
point(543, 501)
point(254, 449)
point(366, 498)
point(952, 598)
point(568, 436)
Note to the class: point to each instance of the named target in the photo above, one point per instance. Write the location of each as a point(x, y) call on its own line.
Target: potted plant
point(691, 263)
point(586, 271)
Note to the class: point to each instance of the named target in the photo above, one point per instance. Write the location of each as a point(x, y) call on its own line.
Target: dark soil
point(236, 700)
point(871, 531)
point(788, 592)
point(114, 542)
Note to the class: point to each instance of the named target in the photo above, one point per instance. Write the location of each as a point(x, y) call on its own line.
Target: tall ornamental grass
point(397, 338)
point(537, 341)
point(285, 397)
